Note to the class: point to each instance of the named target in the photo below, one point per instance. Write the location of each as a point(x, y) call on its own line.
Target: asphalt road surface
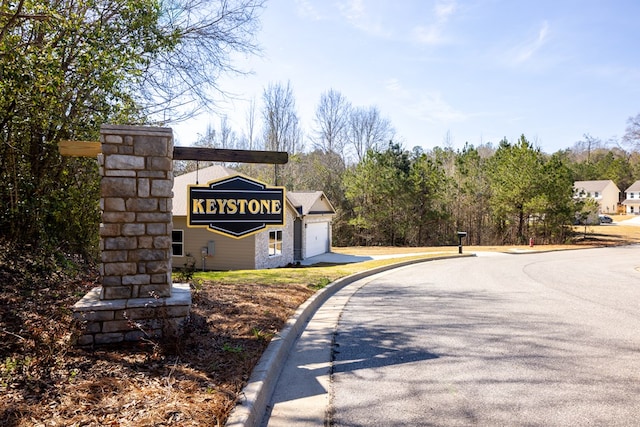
point(546, 339)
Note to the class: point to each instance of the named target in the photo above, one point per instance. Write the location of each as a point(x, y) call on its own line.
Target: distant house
point(605, 192)
point(312, 226)
point(631, 201)
point(306, 232)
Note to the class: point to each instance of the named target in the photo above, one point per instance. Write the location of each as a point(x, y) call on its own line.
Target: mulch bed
point(195, 380)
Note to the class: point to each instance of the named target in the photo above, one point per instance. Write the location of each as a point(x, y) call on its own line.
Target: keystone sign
point(236, 206)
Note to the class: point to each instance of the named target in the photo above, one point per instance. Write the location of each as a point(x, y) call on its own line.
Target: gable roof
point(594, 186)
point(635, 187)
point(310, 202)
point(202, 176)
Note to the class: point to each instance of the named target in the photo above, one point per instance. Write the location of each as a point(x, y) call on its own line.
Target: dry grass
point(194, 382)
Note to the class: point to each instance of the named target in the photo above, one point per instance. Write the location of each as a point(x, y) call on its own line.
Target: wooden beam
point(79, 148)
point(234, 156)
point(92, 149)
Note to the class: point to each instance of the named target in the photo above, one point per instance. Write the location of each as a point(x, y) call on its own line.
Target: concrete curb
point(264, 377)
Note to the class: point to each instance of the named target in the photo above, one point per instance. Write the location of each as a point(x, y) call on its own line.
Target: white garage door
point(317, 238)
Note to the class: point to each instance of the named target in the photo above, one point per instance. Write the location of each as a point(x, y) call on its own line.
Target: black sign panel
point(236, 206)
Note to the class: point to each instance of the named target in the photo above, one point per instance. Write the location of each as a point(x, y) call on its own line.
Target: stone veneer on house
point(137, 299)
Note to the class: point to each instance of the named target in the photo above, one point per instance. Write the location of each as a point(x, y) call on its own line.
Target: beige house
point(631, 201)
point(605, 192)
point(306, 232)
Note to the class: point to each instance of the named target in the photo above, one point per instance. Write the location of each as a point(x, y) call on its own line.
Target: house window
point(596, 194)
point(275, 243)
point(631, 195)
point(177, 242)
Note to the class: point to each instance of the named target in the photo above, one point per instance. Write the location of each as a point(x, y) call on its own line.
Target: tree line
point(67, 67)
point(385, 194)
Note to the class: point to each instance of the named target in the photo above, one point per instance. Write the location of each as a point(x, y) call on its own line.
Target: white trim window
point(275, 243)
point(177, 242)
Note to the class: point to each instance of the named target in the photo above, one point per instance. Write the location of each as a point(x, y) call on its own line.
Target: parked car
point(604, 219)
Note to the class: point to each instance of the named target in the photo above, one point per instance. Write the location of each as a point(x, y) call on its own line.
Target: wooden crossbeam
point(92, 149)
point(79, 148)
point(226, 155)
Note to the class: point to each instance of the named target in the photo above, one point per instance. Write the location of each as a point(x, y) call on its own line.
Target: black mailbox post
point(461, 234)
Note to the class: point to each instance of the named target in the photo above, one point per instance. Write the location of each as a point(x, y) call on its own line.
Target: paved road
point(549, 339)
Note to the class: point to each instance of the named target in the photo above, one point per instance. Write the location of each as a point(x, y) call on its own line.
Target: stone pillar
point(136, 195)
point(137, 299)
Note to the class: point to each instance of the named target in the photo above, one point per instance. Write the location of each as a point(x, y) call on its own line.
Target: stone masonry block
point(85, 340)
point(119, 269)
point(110, 230)
point(159, 291)
point(120, 173)
point(115, 292)
point(156, 229)
point(150, 255)
point(136, 279)
point(165, 205)
point(162, 242)
point(118, 187)
point(159, 279)
point(142, 205)
point(160, 163)
point(154, 174)
point(134, 229)
point(145, 242)
point(177, 311)
point(113, 204)
point(113, 139)
point(111, 280)
point(93, 327)
point(144, 187)
point(120, 243)
point(125, 149)
point(94, 316)
point(111, 338)
point(138, 313)
point(156, 267)
point(114, 256)
point(117, 326)
point(162, 188)
point(118, 217)
point(135, 335)
point(152, 146)
point(153, 217)
point(109, 149)
point(124, 162)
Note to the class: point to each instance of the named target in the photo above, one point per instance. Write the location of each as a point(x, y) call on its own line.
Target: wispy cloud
point(526, 51)
point(308, 10)
point(434, 33)
point(445, 9)
point(363, 18)
point(430, 106)
point(353, 10)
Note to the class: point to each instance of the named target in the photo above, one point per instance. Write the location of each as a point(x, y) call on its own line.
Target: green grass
point(316, 276)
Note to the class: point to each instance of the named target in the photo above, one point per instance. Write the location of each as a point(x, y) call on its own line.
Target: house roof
point(304, 202)
point(202, 176)
point(634, 187)
point(310, 202)
point(594, 186)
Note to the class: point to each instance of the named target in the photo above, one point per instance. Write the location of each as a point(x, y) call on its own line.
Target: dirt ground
point(196, 381)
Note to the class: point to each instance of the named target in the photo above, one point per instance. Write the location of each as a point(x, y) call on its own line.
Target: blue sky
point(464, 71)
